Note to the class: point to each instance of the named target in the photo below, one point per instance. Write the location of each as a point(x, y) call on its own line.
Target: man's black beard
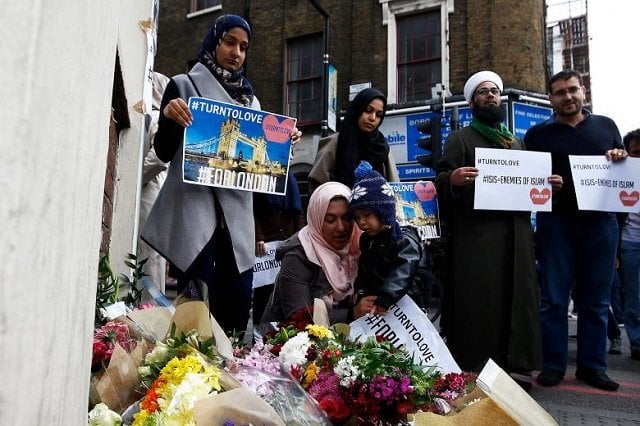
point(489, 115)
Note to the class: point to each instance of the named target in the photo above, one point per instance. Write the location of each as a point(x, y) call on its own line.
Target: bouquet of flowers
point(259, 370)
point(105, 339)
point(171, 397)
point(371, 382)
point(184, 381)
point(118, 350)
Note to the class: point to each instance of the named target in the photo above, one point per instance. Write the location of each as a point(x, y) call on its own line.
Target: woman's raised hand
point(178, 110)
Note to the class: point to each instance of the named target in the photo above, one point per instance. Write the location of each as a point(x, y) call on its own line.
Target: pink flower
point(105, 338)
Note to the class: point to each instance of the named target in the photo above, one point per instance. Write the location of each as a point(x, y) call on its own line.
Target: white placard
point(406, 324)
point(266, 268)
point(604, 185)
point(511, 179)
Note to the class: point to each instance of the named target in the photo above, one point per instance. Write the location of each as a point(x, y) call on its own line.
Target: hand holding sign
point(603, 185)
point(463, 176)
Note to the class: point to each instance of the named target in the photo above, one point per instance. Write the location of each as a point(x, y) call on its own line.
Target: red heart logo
point(540, 197)
point(629, 199)
point(426, 191)
point(276, 131)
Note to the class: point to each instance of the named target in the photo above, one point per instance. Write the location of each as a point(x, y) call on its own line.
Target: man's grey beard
point(489, 115)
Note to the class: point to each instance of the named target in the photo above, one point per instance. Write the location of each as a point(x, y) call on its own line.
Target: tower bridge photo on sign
point(417, 206)
point(230, 146)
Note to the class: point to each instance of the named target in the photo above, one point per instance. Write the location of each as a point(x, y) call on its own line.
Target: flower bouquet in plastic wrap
point(364, 382)
point(497, 399)
point(259, 370)
point(119, 347)
point(184, 380)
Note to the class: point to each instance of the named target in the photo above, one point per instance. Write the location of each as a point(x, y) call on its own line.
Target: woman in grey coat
point(206, 232)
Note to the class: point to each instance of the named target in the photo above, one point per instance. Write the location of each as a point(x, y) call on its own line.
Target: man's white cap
point(479, 78)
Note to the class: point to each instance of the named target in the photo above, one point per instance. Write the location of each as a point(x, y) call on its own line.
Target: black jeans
point(229, 290)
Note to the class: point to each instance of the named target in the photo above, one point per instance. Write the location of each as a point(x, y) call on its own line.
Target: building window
point(574, 31)
point(198, 7)
point(304, 79)
point(419, 55)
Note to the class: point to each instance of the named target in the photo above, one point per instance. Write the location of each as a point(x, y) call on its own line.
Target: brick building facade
point(506, 36)
point(412, 50)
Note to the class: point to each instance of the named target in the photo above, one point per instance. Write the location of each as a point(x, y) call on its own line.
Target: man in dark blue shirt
point(573, 246)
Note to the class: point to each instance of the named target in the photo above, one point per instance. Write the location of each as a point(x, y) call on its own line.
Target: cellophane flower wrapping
point(119, 347)
point(259, 370)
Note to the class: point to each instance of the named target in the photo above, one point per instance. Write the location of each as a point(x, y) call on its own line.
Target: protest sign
point(406, 324)
point(603, 185)
point(417, 206)
point(234, 147)
point(266, 268)
point(512, 180)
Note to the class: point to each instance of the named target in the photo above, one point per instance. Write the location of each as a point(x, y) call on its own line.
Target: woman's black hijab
point(355, 145)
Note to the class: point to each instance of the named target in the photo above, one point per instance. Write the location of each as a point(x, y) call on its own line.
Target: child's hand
point(364, 306)
point(379, 310)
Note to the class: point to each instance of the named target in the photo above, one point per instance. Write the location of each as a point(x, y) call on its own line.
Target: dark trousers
point(229, 290)
point(576, 249)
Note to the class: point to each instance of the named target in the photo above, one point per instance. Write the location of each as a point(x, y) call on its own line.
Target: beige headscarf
point(339, 266)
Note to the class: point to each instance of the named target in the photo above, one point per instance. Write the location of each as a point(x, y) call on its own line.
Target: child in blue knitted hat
point(390, 255)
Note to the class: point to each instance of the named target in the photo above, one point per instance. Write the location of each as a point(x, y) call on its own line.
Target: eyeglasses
point(485, 91)
point(571, 90)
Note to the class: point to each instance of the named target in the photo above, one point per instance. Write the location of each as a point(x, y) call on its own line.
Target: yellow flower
point(181, 383)
point(140, 417)
point(310, 374)
point(319, 331)
point(177, 368)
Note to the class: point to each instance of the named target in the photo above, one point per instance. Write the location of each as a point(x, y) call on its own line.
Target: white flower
point(294, 351)
point(145, 371)
point(192, 388)
point(347, 372)
point(159, 355)
point(101, 415)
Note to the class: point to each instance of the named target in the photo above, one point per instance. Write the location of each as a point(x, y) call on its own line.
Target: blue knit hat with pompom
point(373, 193)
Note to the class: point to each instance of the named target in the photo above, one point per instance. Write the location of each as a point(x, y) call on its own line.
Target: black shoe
point(615, 346)
point(635, 353)
point(597, 379)
point(549, 377)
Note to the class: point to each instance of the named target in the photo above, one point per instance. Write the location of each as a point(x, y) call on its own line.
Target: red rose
point(335, 408)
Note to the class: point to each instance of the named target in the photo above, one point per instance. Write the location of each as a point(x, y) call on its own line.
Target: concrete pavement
point(573, 402)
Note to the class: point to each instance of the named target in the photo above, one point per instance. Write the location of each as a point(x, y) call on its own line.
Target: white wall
point(136, 63)
point(57, 69)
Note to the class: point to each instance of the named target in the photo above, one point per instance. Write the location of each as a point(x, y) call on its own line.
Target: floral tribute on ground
point(302, 373)
point(368, 383)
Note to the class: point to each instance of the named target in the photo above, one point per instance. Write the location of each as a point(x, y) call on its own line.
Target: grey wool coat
point(184, 216)
point(491, 302)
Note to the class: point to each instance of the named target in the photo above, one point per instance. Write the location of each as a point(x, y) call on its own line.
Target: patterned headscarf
point(355, 145)
point(236, 85)
point(339, 266)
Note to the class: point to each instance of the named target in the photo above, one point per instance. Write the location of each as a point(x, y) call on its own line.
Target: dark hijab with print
point(234, 82)
point(355, 145)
